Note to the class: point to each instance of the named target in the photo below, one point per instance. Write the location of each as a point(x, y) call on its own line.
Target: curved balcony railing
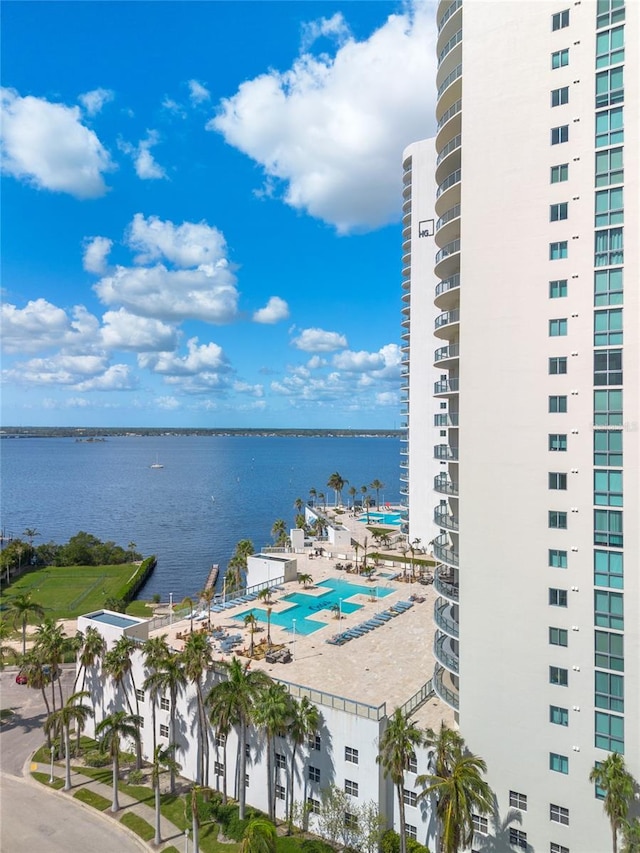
point(448, 284)
point(447, 694)
point(451, 179)
point(449, 11)
point(447, 114)
point(444, 486)
point(443, 617)
point(447, 317)
point(446, 386)
point(448, 80)
point(444, 653)
point(444, 519)
point(444, 353)
point(406, 177)
point(446, 588)
point(451, 248)
point(445, 419)
point(445, 451)
point(452, 145)
point(452, 213)
point(455, 39)
point(444, 553)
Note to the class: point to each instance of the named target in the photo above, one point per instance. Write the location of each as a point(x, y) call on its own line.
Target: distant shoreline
point(134, 432)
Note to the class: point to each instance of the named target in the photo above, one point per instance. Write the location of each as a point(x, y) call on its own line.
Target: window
point(558, 251)
point(350, 820)
point(609, 650)
point(560, 20)
point(609, 127)
point(607, 408)
point(558, 676)
point(164, 704)
point(558, 716)
point(518, 801)
point(609, 732)
point(412, 831)
point(557, 365)
point(141, 722)
point(560, 96)
point(557, 289)
point(480, 824)
point(607, 328)
point(607, 528)
point(558, 441)
point(410, 797)
point(560, 134)
point(559, 763)
point(558, 848)
point(558, 404)
point(607, 287)
point(518, 838)
point(609, 248)
point(609, 691)
point(139, 694)
point(246, 780)
point(557, 520)
point(557, 480)
point(609, 207)
point(558, 327)
point(247, 750)
point(314, 742)
point(560, 58)
point(413, 761)
point(607, 367)
point(557, 559)
point(558, 637)
point(280, 793)
point(351, 755)
point(557, 597)
point(560, 173)
point(351, 787)
point(608, 566)
point(313, 805)
point(561, 211)
point(314, 774)
point(610, 47)
point(609, 167)
point(558, 814)
point(609, 611)
point(221, 739)
point(610, 87)
point(218, 768)
point(609, 12)
point(164, 730)
point(607, 488)
point(281, 761)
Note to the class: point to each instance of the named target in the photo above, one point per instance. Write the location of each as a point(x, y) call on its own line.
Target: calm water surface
point(211, 492)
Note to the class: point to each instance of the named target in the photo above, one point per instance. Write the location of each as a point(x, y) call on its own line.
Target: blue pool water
point(382, 518)
point(114, 619)
point(338, 592)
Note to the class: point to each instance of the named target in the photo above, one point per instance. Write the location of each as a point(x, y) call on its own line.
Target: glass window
point(609, 732)
point(607, 287)
point(560, 96)
point(314, 742)
point(480, 824)
point(558, 327)
point(609, 127)
point(609, 247)
point(557, 480)
point(609, 609)
point(518, 838)
point(218, 768)
point(314, 805)
point(609, 12)
point(609, 207)
point(559, 763)
point(610, 87)
point(560, 173)
point(607, 408)
point(607, 528)
point(560, 58)
point(558, 637)
point(314, 774)
point(557, 597)
point(557, 520)
point(410, 797)
point(351, 755)
point(412, 767)
point(558, 403)
point(518, 800)
point(607, 488)
point(557, 441)
point(609, 167)
point(350, 820)
point(608, 567)
point(609, 691)
point(164, 730)
point(609, 652)
point(139, 694)
point(608, 328)
point(557, 365)
point(607, 367)
point(220, 739)
point(280, 793)
point(558, 814)
point(558, 288)
point(557, 559)
point(610, 47)
point(561, 211)
point(558, 716)
point(351, 787)
point(560, 20)
point(559, 134)
point(411, 830)
point(164, 704)
point(557, 251)
point(558, 848)
point(558, 676)
point(281, 761)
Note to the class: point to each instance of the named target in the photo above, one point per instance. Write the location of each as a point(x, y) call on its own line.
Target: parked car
point(21, 678)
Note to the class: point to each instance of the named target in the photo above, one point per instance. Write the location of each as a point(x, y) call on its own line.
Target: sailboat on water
point(156, 464)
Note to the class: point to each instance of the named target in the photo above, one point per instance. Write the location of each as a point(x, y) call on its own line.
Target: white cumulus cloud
point(199, 359)
point(94, 100)
point(275, 310)
point(198, 93)
point(46, 145)
point(318, 340)
point(41, 325)
point(96, 251)
point(147, 168)
point(124, 331)
point(188, 245)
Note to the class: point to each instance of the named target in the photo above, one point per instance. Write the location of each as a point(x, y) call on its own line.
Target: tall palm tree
point(279, 531)
point(190, 603)
point(305, 721)
point(7, 652)
point(250, 622)
point(163, 759)
point(50, 646)
point(313, 495)
point(155, 651)
point(396, 749)
point(376, 485)
point(271, 713)
point(169, 676)
point(240, 688)
point(460, 791)
point(260, 836)
point(21, 609)
point(631, 836)
point(323, 499)
point(110, 733)
point(207, 597)
point(117, 664)
point(352, 494)
point(221, 716)
point(298, 504)
point(197, 659)
point(93, 648)
point(613, 778)
point(337, 483)
point(73, 711)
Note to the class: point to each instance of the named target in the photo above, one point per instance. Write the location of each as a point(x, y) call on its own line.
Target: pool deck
point(389, 664)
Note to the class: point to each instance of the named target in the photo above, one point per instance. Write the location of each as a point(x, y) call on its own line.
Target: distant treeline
point(83, 433)
point(83, 549)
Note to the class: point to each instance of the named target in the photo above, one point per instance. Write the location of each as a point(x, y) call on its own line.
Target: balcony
point(447, 293)
point(443, 583)
point(448, 226)
point(445, 617)
point(455, 40)
point(445, 688)
point(446, 354)
point(451, 180)
point(445, 386)
point(445, 451)
point(443, 551)
point(446, 324)
point(447, 260)
point(445, 519)
point(445, 419)
point(448, 13)
point(452, 145)
point(452, 213)
point(450, 88)
point(445, 652)
point(444, 486)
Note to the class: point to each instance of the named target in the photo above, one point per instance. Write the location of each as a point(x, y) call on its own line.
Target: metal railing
point(448, 284)
point(444, 486)
point(449, 11)
point(455, 39)
point(451, 145)
point(452, 213)
point(339, 703)
point(447, 317)
point(446, 419)
point(449, 79)
point(454, 109)
point(444, 519)
point(451, 248)
point(448, 625)
point(446, 694)
point(425, 693)
point(451, 179)
point(447, 555)
point(445, 451)
point(446, 588)
point(451, 351)
point(445, 386)
point(447, 658)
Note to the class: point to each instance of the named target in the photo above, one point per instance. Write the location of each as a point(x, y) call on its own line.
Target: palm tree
point(197, 660)
point(337, 483)
point(279, 530)
point(305, 580)
point(6, 652)
point(190, 603)
point(31, 533)
point(21, 609)
point(397, 747)
point(377, 486)
point(250, 621)
point(271, 713)
point(367, 503)
point(162, 760)
point(239, 690)
point(260, 836)
point(73, 711)
point(631, 836)
point(323, 499)
point(155, 651)
point(460, 791)
point(169, 675)
point(221, 716)
point(613, 778)
point(93, 648)
point(110, 733)
point(298, 504)
point(305, 721)
point(352, 494)
point(207, 597)
point(313, 495)
point(50, 647)
point(117, 665)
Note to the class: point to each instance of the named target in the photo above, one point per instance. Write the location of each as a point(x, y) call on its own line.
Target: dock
point(213, 576)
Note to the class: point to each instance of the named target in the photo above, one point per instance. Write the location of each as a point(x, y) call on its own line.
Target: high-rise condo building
point(537, 350)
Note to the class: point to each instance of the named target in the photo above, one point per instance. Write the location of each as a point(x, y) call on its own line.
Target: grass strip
point(43, 778)
point(138, 825)
point(92, 799)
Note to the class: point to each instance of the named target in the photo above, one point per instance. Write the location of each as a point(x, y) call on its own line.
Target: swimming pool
point(114, 619)
point(337, 592)
point(394, 518)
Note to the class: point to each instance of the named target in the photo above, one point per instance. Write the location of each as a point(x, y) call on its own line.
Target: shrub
point(315, 845)
point(95, 758)
point(414, 846)
point(136, 777)
point(390, 842)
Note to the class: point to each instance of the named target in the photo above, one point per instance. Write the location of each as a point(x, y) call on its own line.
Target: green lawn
point(92, 799)
point(138, 825)
point(43, 778)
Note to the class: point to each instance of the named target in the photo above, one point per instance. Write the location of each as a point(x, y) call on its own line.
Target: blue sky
point(200, 210)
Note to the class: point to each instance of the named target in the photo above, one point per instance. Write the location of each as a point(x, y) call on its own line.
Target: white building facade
point(536, 259)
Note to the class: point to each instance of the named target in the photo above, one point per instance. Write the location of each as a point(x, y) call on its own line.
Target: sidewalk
point(171, 835)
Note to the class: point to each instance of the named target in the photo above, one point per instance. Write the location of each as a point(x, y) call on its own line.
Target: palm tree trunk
point(115, 805)
point(403, 826)
point(291, 783)
point(172, 723)
point(195, 829)
point(271, 779)
point(158, 839)
point(242, 769)
point(224, 772)
point(24, 635)
point(67, 760)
